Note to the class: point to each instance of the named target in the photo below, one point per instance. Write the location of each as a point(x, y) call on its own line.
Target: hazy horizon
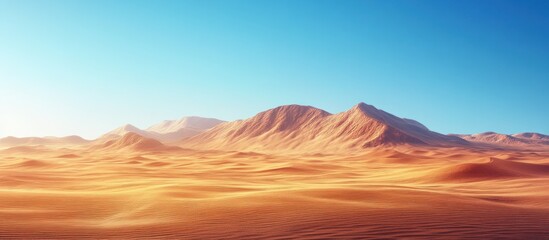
point(86, 67)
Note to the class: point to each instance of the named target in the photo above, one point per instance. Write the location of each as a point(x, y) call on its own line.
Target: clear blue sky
point(85, 67)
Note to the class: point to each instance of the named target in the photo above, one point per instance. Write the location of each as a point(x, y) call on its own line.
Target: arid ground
point(399, 192)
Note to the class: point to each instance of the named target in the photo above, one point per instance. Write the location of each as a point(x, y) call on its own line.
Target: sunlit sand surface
point(403, 192)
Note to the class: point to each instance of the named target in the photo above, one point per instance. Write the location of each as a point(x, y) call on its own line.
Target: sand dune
point(31, 163)
point(70, 155)
point(305, 128)
point(292, 172)
point(24, 149)
point(34, 141)
point(494, 169)
point(125, 191)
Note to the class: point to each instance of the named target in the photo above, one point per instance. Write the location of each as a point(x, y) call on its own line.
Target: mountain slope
point(305, 128)
point(519, 139)
point(166, 131)
point(194, 123)
point(132, 142)
point(121, 131)
point(532, 136)
point(173, 130)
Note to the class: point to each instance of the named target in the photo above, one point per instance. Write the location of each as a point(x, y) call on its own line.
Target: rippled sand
point(384, 193)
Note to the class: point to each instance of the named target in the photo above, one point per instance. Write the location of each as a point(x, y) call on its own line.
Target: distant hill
point(305, 128)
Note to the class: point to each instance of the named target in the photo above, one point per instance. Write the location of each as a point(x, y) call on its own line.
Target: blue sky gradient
point(85, 67)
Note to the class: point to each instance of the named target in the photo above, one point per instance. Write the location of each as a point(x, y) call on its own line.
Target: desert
point(274, 119)
point(291, 172)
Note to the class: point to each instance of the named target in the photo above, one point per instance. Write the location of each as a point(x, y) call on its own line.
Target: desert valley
point(292, 172)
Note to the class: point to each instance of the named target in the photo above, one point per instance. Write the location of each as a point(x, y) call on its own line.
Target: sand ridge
point(193, 194)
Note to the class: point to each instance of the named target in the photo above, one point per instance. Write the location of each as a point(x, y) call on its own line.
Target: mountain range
point(520, 139)
point(288, 128)
point(295, 127)
point(167, 131)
